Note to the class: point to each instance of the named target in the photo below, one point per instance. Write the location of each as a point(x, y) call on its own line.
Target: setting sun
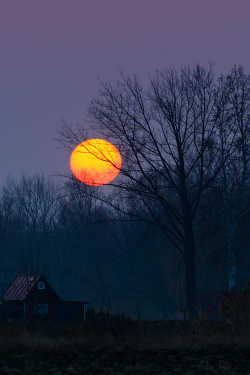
point(95, 162)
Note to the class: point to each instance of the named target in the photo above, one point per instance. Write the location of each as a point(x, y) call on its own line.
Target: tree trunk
point(190, 281)
point(230, 251)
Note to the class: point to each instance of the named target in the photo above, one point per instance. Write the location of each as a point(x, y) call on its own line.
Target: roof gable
point(22, 286)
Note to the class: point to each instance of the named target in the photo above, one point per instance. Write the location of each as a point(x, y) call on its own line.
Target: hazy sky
point(52, 52)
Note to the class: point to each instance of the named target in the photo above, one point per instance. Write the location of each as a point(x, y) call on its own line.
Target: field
point(124, 346)
point(159, 347)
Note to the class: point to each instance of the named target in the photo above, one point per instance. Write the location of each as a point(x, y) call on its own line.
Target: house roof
point(22, 286)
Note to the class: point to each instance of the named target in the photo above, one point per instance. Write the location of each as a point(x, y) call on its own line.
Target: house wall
point(9, 311)
point(42, 295)
point(17, 304)
point(27, 310)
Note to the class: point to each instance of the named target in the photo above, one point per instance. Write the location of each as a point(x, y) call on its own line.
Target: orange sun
point(95, 162)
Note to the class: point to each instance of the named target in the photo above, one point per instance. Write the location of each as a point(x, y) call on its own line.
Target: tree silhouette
point(169, 138)
point(234, 91)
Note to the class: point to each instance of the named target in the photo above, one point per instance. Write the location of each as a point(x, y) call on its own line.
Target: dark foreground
point(148, 349)
point(162, 362)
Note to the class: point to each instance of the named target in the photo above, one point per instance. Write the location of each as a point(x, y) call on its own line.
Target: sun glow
point(95, 162)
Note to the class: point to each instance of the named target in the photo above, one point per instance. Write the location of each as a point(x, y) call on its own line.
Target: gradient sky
point(52, 52)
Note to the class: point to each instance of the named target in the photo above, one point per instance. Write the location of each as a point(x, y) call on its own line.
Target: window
point(41, 308)
point(41, 285)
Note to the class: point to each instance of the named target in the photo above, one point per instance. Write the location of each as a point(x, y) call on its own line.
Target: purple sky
point(52, 52)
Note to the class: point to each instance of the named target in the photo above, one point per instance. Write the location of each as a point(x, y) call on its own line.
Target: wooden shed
point(37, 301)
point(207, 303)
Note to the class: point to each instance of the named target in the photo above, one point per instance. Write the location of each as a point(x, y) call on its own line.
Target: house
point(34, 299)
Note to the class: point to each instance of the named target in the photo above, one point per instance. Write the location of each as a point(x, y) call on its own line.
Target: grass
point(195, 334)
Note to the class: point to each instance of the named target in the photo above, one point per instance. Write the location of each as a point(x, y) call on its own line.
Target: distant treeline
point(175, 221)
point(90, 253)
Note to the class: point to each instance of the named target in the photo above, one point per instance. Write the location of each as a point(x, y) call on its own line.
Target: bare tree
point(234, 91)
point(29, 212)
point(168, 137)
